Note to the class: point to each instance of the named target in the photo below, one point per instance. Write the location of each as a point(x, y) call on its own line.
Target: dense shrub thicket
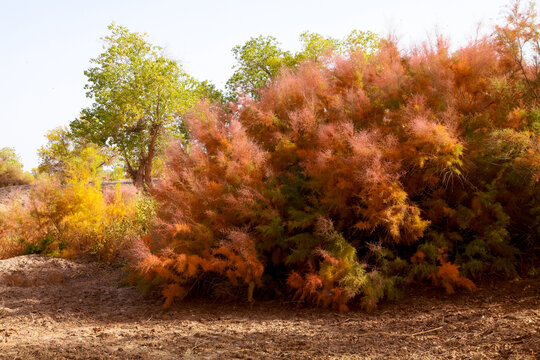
point(352, 176)
point(75, 218)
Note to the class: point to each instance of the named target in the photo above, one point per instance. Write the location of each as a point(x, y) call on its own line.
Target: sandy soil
point(60, 309)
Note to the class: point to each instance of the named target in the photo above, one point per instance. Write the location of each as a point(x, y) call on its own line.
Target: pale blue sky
point(46, 45)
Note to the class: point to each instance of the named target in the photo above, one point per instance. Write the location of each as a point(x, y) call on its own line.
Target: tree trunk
point(142, 176)
point(148, 174)
point(148, 163)
point(137, 176)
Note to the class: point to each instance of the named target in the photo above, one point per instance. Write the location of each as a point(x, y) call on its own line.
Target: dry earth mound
point(36, 270)
point(10, 193)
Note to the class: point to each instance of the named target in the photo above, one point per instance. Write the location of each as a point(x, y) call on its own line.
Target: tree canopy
point(58, 158)
point(11, 168)
point(138, 96)
point(261, 58)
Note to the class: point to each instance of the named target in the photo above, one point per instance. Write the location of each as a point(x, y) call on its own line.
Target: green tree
point(52, 156)
point(63, 149)
point(11, 168)
point(207, 90)
point(260, 59)
point(139, 97)
point(315, 45)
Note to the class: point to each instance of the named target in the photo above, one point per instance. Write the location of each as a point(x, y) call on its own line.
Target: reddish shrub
point(335, 173)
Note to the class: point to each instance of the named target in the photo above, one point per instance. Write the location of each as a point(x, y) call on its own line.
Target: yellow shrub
point(77, 218)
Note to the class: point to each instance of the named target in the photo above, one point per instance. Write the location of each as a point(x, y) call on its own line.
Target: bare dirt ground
point(60, 309)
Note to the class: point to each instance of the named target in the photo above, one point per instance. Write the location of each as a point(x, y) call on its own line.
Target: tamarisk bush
point(349, 177)
point(207, 203)
point(76, 218)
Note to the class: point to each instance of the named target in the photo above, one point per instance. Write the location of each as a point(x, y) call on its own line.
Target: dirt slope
point(10, 193)
point(60, 309)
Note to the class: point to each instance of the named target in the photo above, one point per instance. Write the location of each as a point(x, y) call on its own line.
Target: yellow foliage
point(74, 219)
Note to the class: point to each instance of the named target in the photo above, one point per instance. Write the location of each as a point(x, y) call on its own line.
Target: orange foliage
point(448, 276)
point(418, 257)
point(204, 203)
point(352, 151)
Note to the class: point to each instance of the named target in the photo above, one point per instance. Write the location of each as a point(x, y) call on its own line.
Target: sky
point(46, 45)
